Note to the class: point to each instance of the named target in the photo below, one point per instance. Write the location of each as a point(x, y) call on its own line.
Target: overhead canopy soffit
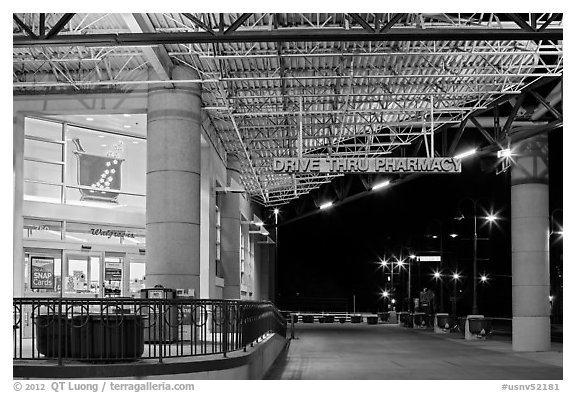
point(318, 85)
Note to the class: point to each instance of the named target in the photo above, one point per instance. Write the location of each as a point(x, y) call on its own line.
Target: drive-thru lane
point(360, 351)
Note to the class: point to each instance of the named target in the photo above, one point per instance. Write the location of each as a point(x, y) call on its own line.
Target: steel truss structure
point(303, 85)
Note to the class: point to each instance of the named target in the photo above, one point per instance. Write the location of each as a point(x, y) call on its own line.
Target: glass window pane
point(42, 150)
point(92, 153)
point(43, 172)
point(57, 272)
point(42, 229)
point(137, 276)
point(85, 197)
point(42, 192)
point(42, 128)
point(103, 234)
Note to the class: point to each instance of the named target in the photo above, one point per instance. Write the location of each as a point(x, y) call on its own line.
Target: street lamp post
point(276, 264)
point(490, 218)
point(455, 277)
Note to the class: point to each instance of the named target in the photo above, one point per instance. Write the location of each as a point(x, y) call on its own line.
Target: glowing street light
point(436, 275)
point(465, 154)
point(412, 256)
point(385, 294)
point(484, 278)
point(276, 211)
point(381, 185)
point(504, 153)
point(456, 276)
point(491, 218)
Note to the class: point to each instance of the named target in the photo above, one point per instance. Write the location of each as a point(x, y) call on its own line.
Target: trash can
point(115, 337)
point(156, 328)
point(481, 327)
point(372, 319)
point(356, 318)
point(308, 318)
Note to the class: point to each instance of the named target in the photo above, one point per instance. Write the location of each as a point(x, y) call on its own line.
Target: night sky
point(333, 254)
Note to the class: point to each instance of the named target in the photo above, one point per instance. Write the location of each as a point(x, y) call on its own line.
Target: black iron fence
point(117, 329)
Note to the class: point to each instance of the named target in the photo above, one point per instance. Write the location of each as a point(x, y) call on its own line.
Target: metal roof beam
point(24, 27)
point(293, 35)
point(57, 28)
point(521, 22)
point(358, 19)
point(391, 23)
point(237, 23)
point(158, 56)
point(199, 23)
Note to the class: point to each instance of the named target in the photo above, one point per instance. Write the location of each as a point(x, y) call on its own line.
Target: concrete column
point(230, 233)
point(173, 184)
point(18, 223)
point(530, 246)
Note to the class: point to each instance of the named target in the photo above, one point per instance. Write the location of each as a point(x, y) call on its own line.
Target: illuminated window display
point(76, 165)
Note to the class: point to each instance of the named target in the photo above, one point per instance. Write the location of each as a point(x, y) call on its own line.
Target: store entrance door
point(82, 275)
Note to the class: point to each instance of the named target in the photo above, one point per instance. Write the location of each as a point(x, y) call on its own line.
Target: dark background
point(334, 254)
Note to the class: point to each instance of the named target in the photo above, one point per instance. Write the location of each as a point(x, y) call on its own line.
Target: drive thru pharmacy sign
point(42, 273)
point(368, 165)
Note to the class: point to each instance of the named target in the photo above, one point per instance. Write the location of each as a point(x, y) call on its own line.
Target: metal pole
point(441, 263)
point(474, 267)
point(409, 284)
point(454, 302)
point(275, 257)
point(353, 304)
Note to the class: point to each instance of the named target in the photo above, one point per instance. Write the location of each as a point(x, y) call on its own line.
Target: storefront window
point(43, 129)
point(98, 168)
point(137, 276)
point(105, 170)
point(104, 234)
point(42, 229)
point(42, 271)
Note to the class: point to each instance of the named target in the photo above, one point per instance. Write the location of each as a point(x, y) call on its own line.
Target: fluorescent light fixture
point(466, 153)
point(505, 153)
point(103, 145)
point(127, 126)
point(135, 142)
point(412, 256)
point(90, 118)
point(381, 185)
point(127, 115)
point(101, 136)
point(325, 205)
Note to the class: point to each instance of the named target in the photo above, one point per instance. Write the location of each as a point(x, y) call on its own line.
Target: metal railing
point(121, 329)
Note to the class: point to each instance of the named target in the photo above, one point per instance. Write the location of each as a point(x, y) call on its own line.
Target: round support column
point(530, 246)
point(230, 232)
point(173, 184)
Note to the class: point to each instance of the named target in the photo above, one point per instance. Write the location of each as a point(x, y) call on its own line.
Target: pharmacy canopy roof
point(328, 86)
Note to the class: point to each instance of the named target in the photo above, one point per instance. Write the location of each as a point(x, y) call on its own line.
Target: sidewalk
point(350, 351)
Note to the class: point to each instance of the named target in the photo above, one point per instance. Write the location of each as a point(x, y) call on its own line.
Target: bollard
point(437, 327)
point(292, 329)
point(467, 334)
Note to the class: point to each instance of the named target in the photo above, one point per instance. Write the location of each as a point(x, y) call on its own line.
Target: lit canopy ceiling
point(318, 85)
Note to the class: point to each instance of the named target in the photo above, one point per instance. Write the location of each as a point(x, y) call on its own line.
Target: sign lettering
point(42, 273)
point(367, 165)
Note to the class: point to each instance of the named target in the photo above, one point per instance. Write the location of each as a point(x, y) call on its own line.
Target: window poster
point(42, 274)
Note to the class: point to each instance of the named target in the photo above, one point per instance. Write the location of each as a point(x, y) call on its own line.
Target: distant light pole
point(276, 212)
point(455, 277)
point(491, 218)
